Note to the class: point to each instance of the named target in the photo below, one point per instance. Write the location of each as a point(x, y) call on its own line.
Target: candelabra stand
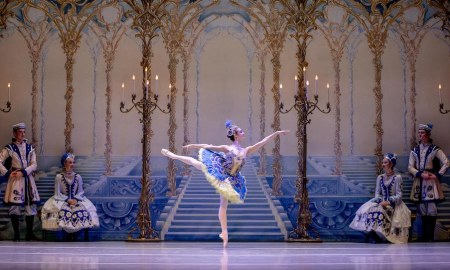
point(8, 107)
point(304, 108)
point(442, 110)
point(146, 106)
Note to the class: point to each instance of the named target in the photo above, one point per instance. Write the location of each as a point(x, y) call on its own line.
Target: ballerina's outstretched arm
point(219, 148)
point(254, 148)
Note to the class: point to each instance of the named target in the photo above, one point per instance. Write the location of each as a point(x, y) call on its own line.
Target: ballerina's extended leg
point(185, 159)
point(223, 220)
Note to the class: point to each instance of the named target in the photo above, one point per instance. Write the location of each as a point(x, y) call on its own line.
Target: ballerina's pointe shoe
point(224, 237)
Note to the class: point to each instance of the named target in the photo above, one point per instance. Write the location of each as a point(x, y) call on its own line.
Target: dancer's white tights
point(185, 159)
point(223, 220)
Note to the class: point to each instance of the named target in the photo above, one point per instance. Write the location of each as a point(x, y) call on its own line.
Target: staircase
point(194, 216)
point(359, 171)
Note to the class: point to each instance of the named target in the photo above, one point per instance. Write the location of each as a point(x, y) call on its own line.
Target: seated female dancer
point(386, 216)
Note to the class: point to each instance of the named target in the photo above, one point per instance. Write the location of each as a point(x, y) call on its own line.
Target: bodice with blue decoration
point(223, 172)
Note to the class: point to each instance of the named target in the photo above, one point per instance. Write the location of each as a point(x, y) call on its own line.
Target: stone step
point(243, 223)
point(214, 236)
point(231, 211)
point(231, 217)
point(231, 229)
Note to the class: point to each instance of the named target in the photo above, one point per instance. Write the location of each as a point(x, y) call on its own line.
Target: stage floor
point(210, 255)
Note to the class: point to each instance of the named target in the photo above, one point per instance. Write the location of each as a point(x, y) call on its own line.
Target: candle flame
point(170, 86)
point(307, 82)
point(317, 77)
point(328, 85)
point(440, 86)
point(134, 78)
point(281, 85)
point(148, 82)
point(295, 78)
point(145, 69)
point(156, 78)
point(304, 69)
point(9, 85)
point(123, 85)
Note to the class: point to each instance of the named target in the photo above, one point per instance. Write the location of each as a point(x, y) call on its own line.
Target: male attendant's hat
point(19, 126)
point(428, 127)
point(392, 158)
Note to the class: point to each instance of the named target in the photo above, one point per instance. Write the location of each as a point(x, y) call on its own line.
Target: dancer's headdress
point(392, 158)
point(231, 129)
point(65, 157)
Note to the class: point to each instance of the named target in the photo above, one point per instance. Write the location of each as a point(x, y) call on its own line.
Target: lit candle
point(328, 88)
point(146, 88)
point(145, 73)
point(9, 92)
point(281, 87)
point(134, 84)
point(315, 86)
point(307, 84)
point(123, 90)
point(440, 95)
point(156, 84)
point(296, 84)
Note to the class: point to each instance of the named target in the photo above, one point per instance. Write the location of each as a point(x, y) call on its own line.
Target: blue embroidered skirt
point(231, 187)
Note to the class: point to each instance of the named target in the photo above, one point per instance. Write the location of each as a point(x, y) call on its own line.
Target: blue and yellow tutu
point(222, 171)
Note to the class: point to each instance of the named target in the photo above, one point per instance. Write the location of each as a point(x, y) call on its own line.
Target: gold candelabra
point(8, 107)
point(442, 110)
point(145, 106)
point(304, 108)
point(8, 103)
point(147, 20)
point(302, 16)
point(441, 104)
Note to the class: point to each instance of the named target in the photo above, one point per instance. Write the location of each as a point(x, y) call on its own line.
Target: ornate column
point(376, 17)
point(337, 35)
point(411, 34)
point(187, 49)
point(261, 50)
point(180, 16)
point(70, 18)
point(95, 47)
point(351, 48)
point(35, 31)
point(261, 56)
point(43, 60)
point(274, 27)
point(109, 34)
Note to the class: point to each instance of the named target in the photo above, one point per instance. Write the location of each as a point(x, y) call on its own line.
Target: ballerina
point(222, 164)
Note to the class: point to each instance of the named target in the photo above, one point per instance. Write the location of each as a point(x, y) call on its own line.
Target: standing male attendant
point(427, 163)
point(21, 189)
